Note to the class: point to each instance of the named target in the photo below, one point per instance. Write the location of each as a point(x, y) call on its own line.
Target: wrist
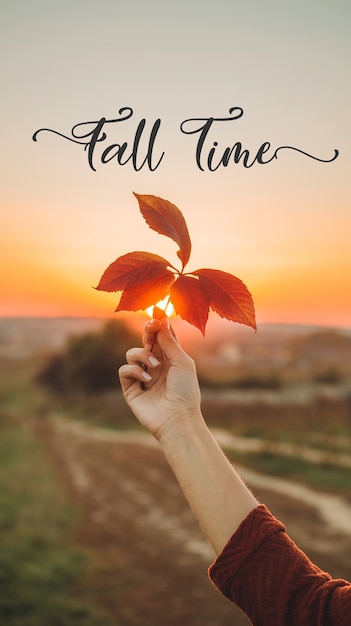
point(182, 430)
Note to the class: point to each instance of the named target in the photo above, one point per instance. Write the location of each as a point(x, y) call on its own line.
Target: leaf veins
point(166, 219)
point(145, 295)
point(190, 301)
point(227, 296)
point(145, 278)
point(131, 270)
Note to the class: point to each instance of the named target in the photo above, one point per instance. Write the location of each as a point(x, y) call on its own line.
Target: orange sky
point(283, 228)
point(315, 290)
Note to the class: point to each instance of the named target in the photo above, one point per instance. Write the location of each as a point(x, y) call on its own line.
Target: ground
point(151, 555)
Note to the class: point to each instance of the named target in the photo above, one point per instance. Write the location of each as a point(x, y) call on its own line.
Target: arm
point(170, 409)
point(258, 567)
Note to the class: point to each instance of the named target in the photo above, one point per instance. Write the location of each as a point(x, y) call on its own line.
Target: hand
point(169, 407)
point(171, 392)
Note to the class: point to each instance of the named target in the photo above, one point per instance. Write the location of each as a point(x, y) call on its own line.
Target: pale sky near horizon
point(283, 228)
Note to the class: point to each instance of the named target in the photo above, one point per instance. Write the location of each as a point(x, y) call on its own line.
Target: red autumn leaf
point(166, 219)
point(227, 296)
point(190, 301)
point(131, 270)
point(146, 278)
point(145, 295)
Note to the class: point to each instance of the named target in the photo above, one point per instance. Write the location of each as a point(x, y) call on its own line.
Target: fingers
point(139, 360)
point(130, 373)
point(158, 337)
point(168, 343)
point(159, 341)
point(150, 331)
point(137, 356)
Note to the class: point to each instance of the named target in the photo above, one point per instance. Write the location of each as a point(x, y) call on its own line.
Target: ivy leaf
point(132, 270)
point(227, 296)
point(166, 219)
point(190, 301)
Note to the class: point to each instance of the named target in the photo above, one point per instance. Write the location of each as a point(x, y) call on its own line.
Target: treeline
point(89, 362)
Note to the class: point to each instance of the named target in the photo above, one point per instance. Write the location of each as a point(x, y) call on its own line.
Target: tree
point(90, 361)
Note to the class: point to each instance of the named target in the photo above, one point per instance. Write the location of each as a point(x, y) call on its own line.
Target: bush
point(89, 362)
point(329, 376)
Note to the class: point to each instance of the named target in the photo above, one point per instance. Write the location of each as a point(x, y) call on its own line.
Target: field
point(94, 529)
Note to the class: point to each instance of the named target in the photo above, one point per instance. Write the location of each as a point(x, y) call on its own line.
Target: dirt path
point(153, 556)
point(334, 510)
point(312, 455)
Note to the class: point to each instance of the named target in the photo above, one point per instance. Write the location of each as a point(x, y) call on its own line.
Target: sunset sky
point(284, 228)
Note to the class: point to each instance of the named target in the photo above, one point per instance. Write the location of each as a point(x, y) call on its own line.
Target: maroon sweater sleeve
point(273, 582)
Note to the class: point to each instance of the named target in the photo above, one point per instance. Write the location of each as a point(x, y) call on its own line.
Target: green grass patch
point(322, 477)
point(42, 576)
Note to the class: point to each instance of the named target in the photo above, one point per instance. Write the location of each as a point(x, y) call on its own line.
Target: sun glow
point(165, 305)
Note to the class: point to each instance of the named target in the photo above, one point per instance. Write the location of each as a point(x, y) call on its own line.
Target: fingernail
point(146, 376)
point(153, 361)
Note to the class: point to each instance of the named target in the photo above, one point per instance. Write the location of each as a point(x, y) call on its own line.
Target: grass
point(320, 477)
point(277, 423)
point(325, 423)
point(45, 580)
point(42, 576)
point(107, 409)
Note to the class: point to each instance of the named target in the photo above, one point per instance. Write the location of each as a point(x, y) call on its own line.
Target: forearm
point(219, 499)
point(170, 409)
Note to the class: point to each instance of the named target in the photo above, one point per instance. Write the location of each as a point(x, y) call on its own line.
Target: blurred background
point(94, 527)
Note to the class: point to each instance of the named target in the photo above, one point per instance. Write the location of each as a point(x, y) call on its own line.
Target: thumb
point(168, 342)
